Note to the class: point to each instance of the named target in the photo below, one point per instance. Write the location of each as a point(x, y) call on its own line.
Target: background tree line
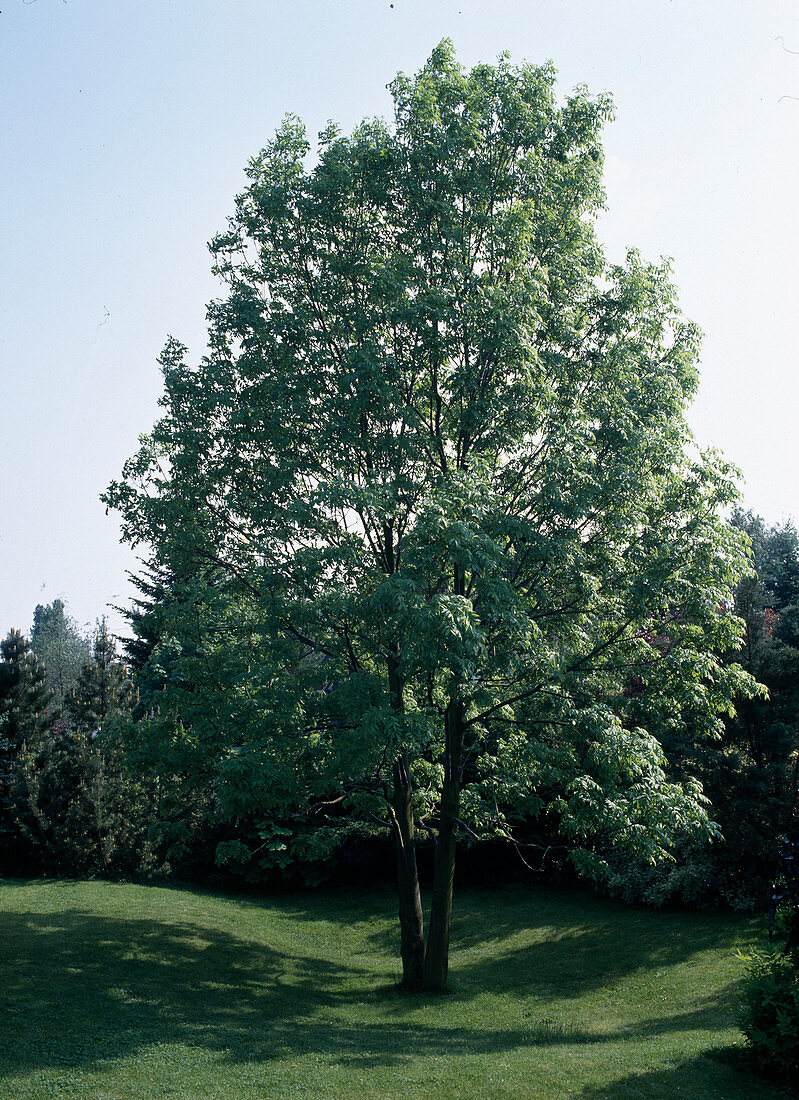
point(95, 780)
point(68, 803)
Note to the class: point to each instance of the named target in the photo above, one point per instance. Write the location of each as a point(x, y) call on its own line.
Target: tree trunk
point(410, 899)
point(437, 955)
point(411, 915)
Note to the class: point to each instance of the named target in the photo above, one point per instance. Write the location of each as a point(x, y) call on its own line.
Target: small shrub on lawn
point(769, 1015)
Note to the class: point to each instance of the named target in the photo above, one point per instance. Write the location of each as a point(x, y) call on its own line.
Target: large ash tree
point(443, 542)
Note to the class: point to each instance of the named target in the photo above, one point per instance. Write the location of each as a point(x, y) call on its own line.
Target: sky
point(124, 131)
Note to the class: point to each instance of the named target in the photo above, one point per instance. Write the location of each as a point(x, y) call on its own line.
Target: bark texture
point(411, 916)
point(437, 955)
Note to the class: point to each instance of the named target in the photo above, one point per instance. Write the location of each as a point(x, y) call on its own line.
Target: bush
point(769, 1016)
point(698, 878)
point(688, 881)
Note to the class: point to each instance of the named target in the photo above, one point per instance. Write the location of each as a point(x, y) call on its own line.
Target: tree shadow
point(573, 962)
point(724, 1072)
point(82, 989)
point(606, 943)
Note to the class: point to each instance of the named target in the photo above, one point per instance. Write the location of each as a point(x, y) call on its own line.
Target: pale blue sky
point(124, 129)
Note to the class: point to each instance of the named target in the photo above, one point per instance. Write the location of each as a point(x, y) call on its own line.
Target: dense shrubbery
point(687, 880)
point(769, 1017)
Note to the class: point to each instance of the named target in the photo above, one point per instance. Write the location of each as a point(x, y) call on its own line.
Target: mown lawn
point(130, 991)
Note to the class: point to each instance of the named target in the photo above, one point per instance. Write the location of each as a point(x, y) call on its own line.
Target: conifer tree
point(103, 688)
point(25, 720)
point(103, 691)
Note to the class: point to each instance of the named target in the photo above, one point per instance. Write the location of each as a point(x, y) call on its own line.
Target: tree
point(762, 740)
point(445, 546)
point(59, 646)
point(103, 687)
point(143, 618)
point(111, 804)
point(25, 720)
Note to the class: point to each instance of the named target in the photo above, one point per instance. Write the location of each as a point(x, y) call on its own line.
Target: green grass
point(130, 991)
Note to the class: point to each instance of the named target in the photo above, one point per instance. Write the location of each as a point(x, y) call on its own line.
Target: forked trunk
point(437, 955)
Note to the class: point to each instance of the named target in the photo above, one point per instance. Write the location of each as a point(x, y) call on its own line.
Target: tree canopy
point(442, 543)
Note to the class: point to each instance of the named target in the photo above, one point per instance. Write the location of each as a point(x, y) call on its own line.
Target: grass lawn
point(119, 991)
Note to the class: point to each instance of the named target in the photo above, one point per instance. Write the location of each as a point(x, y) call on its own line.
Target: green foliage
point(102, 688)
point(769, 1015)
point(70, 802)
point(430, 503)
point(24, 696)
point(109, 810)
point(753, 781)
point(25, 719)
point(60, 648)
point(749, 771)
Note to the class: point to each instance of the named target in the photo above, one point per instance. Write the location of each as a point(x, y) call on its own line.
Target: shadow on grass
point(78, 989)
point(602, 942)
point(729, 1070)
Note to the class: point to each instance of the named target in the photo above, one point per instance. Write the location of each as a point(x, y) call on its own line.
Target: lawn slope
point(124, 991)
